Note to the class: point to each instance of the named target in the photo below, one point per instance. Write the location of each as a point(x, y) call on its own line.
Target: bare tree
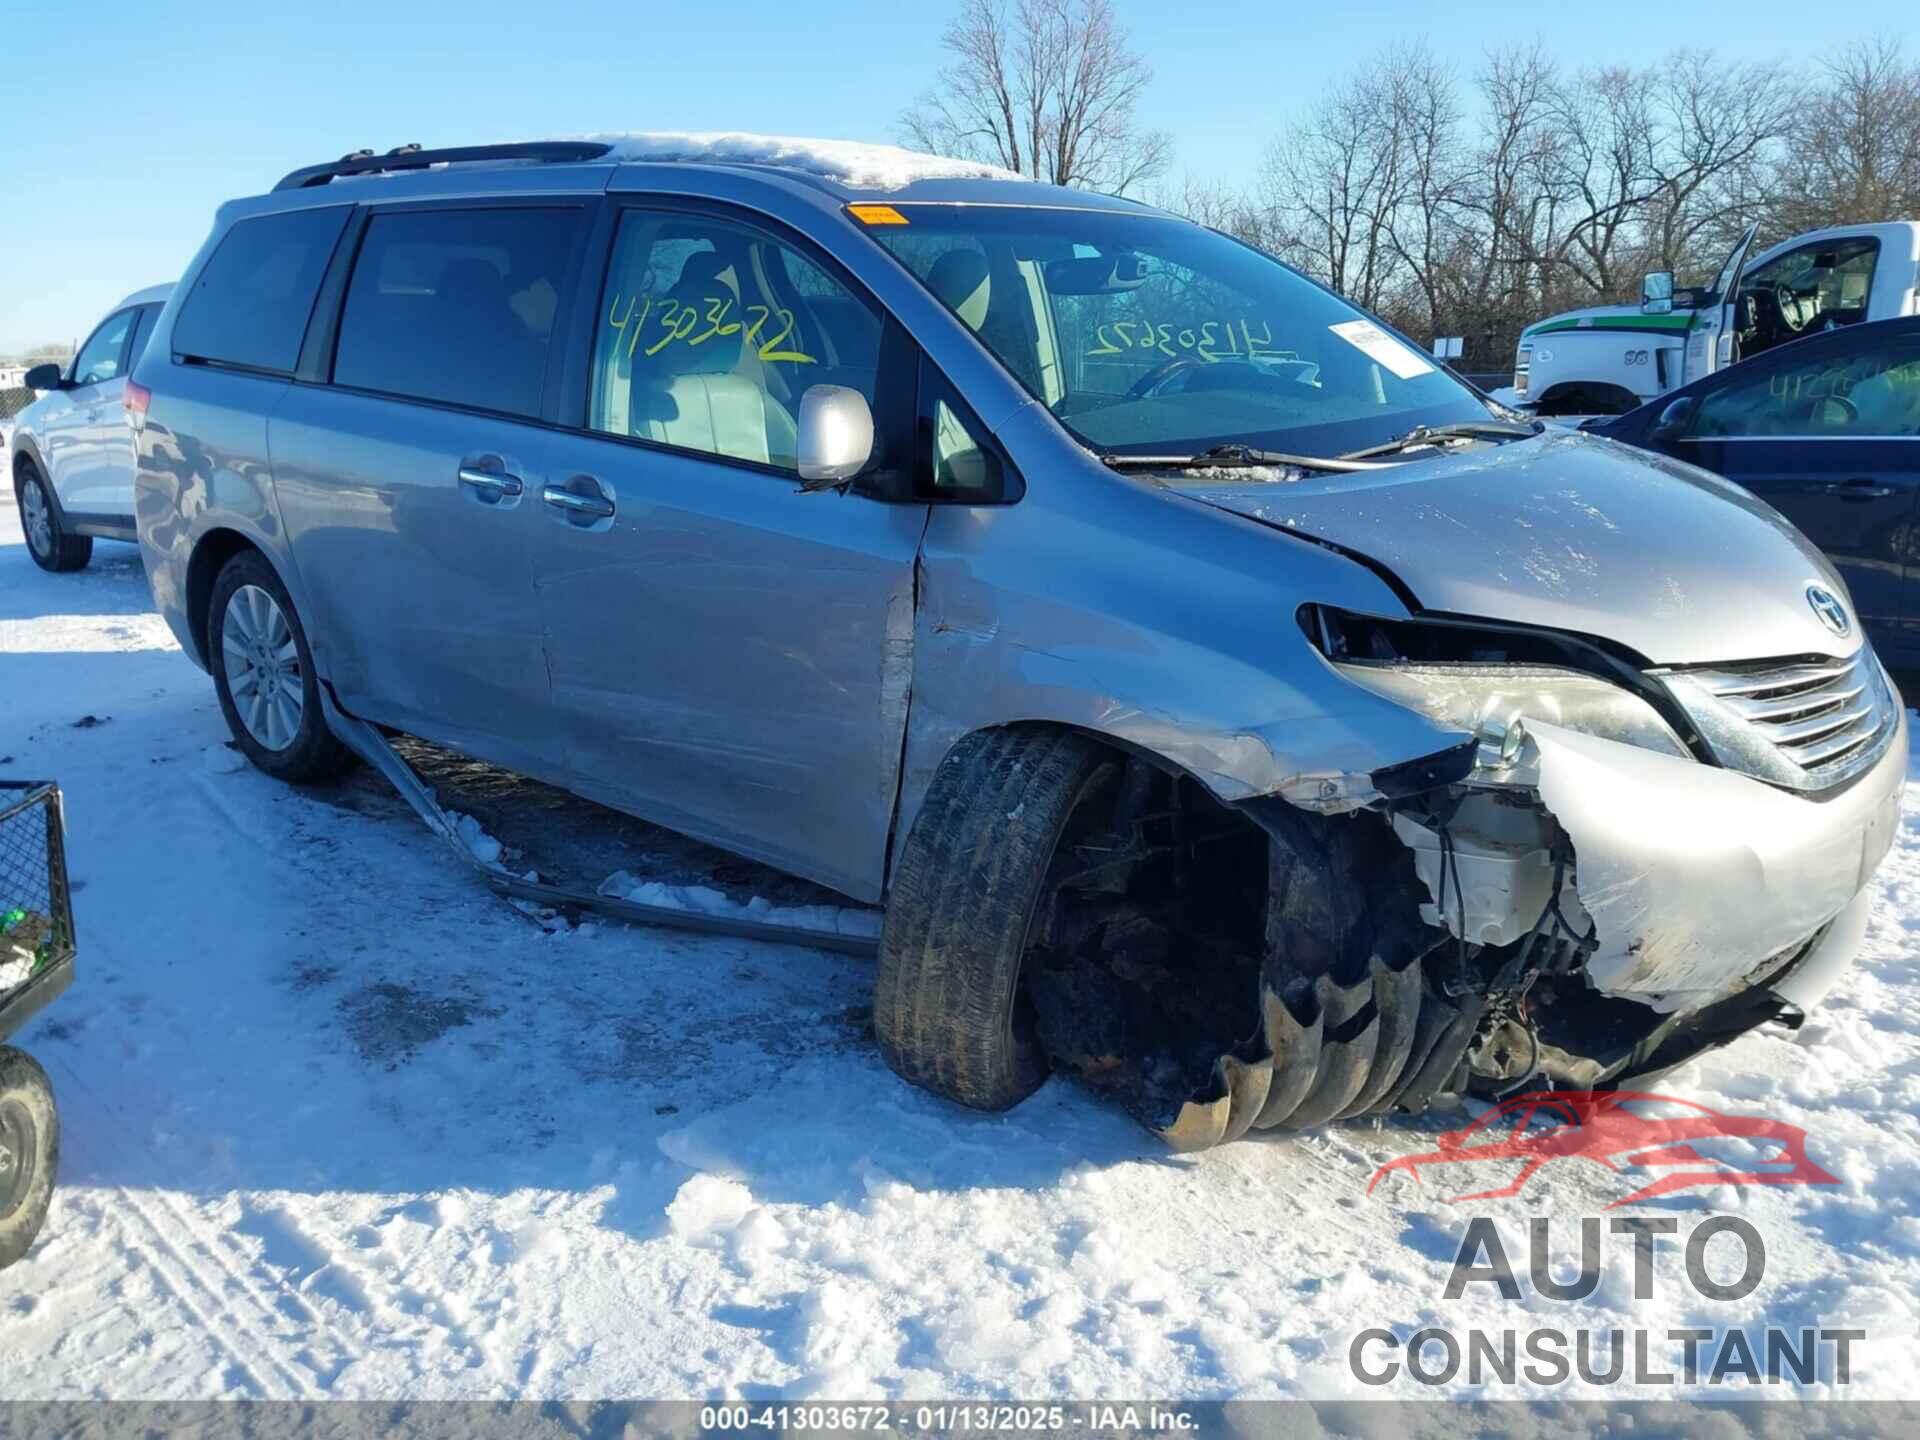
point(1213, 203)
point(1855, 152)
point(1424, 228)
point(1327, 192)
point(1046, 88)
point(1506, 191)
point(1716, 149)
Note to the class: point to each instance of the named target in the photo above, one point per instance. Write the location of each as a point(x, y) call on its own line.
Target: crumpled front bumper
point(1700, 881)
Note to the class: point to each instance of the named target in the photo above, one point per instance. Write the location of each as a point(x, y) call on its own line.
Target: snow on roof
point(853, 163)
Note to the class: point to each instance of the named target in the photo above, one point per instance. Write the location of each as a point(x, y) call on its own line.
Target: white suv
point(72, 452)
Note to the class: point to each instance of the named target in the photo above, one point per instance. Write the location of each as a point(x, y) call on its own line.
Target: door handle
point(588, 507)
point(1861, 489)
point(490, 484)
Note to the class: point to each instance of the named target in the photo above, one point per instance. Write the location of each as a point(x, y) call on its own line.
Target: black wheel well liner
point(210, 556)
point(1243, 809)
point(1602, 389)
point(25, 452)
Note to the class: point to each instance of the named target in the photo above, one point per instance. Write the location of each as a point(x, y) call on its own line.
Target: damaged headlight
point(1487, 701)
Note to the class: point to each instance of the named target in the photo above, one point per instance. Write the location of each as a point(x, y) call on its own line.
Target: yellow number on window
point(678, 321)
point(769, 351)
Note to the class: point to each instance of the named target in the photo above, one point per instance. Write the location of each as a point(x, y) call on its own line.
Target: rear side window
point(457, 305)
point(250, 304)
point(142, 333)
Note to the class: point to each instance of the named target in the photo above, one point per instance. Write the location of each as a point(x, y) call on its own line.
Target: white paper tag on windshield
point(1376, 344)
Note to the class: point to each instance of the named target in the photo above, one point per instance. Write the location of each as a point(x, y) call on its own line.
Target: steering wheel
point(1850, 412)
point(1149, 384)
point(1788, 305)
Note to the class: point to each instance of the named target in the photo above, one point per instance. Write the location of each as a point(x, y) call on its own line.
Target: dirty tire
point(1353, 1019)
point(54, 548)
point(946, 1004)
point(315, 753)
point(29, 1126)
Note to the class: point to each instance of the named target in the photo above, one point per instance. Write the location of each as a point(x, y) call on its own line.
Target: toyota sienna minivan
point(1229, 706)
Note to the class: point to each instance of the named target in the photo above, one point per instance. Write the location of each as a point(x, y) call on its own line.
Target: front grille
point(1804, 725)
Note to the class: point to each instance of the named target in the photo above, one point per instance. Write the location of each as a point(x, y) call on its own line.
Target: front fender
point(21, 442)
point(1118, 608)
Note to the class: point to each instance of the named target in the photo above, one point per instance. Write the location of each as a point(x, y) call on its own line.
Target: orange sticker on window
point(876, 215)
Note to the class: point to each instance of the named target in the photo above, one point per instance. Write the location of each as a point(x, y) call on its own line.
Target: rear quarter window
point(250, 304)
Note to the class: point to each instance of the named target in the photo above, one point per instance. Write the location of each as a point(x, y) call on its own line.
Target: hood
point(1570, 532)
point(1608, 317)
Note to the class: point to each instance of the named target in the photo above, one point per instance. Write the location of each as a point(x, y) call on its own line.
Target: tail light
point(136, 398)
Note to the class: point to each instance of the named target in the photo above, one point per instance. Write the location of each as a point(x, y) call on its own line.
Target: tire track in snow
point(382, 1286)
point(251, 1357)
point(251, 1366)
point(176, 1276)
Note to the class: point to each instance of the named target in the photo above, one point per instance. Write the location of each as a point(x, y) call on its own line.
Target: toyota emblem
point(1827, 606)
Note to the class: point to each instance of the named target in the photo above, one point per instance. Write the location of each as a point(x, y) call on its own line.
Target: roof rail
point(412, 157)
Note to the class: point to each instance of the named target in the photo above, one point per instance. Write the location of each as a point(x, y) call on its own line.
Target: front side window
point(710, 331)
point(457, 305)
point(1147, 335)
point(1817, 287)
point(100, 358)
point(250, 303)
point(1856, 390)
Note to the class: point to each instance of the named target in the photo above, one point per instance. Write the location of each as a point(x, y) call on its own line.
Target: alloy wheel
point(37, 516)
point(263, 667)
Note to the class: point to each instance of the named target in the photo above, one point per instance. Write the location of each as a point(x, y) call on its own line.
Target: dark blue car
point(1827, 431)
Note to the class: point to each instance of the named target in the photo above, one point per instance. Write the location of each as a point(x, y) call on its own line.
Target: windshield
point(1147, 335)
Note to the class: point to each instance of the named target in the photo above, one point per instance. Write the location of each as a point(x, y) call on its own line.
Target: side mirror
point(1656, 293)
point(1673, 420)
point(835, 435)
point(43, 378)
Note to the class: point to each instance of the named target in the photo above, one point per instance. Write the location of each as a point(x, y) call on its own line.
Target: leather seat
point(473, 315)
point(962, 281)
point(1889, 403)
point(694, 396)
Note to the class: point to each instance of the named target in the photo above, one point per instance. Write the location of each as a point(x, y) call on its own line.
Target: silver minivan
point(1228, 705)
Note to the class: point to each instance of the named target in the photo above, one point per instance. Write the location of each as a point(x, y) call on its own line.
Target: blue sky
point(131, 121)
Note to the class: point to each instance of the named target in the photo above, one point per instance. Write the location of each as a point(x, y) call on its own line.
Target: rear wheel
point(48, 542)
point(263, 673)
point(29, 1152)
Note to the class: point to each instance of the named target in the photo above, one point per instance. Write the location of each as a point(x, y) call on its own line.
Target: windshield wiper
point(1470, 430)
point(1238, 457)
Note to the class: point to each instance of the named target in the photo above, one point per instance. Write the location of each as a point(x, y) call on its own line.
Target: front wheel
point(29, 1152)
point(48, 542)
point(263, 673)
point(948, 1007)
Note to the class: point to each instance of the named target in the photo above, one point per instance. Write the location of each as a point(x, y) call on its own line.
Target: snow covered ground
point(340, 1123)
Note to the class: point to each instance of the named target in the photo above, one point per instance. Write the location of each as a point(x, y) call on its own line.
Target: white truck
point(1607, 359)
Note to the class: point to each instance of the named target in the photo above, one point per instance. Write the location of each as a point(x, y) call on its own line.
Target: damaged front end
point(1615, 870)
